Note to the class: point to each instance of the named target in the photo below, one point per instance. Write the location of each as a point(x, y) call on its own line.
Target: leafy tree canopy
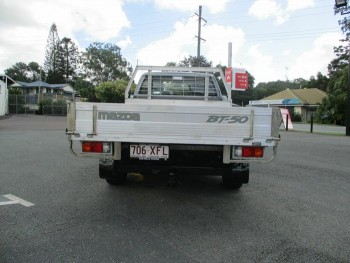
point(104, 63)
point(333, 108)
point(25, 72)
point(112, 91)
point(193, 61)
point(86, 90)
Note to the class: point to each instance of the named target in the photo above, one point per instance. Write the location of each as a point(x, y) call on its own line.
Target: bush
point(295, 116)
point(52, 107)
point(111, 91)
point(15, 91)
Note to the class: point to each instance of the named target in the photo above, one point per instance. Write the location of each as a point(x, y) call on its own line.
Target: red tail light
point(96, 147)
point(252, 152)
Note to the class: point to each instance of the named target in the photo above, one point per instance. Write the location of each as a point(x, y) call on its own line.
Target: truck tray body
point(174, 123)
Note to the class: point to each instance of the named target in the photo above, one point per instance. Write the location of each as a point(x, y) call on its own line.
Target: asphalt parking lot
point(54, 208)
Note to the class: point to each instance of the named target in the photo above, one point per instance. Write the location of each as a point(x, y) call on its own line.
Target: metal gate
point(32, 104)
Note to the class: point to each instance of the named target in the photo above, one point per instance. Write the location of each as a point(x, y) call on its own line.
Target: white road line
point(8, 202)
point(15, 200)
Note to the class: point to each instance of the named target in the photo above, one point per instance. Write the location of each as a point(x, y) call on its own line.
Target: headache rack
point(178, 83)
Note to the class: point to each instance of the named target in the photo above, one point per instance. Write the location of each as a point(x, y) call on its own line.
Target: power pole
point(200, 18)
point(344, 9)
point(39, 86)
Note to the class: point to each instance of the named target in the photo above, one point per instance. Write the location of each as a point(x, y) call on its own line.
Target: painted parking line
point(15, 200)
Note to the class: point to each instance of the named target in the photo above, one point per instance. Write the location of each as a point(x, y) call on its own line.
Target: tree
point(341, 60)
point(302, 83)
point(333, 107)
point(193, 61)
point(34, 72)
point(86, 90)
point(171, 64)
point(320, 82)
point(342, 52)
point(112, 91)
point(18, 72)
point(52, 59)
point(23, 72)
point(68, 58)
point(104, 63)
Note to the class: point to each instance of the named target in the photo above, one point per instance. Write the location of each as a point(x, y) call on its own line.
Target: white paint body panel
point(177, 122)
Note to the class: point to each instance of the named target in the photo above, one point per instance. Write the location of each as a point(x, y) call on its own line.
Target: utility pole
point(229, 54)
point(347, 123)
point(342, 5)
point(39, 86)
point(200, 18)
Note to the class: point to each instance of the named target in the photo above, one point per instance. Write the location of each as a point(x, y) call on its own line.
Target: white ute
point(177, 121)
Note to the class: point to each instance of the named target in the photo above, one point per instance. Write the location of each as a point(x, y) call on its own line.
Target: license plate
point(149, 152)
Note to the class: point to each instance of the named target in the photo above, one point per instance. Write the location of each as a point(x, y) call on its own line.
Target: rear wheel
point(230, 181)
point(118, 179)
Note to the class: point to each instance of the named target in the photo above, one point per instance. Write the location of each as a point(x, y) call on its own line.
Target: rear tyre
point(118, 179)
point(230, 181)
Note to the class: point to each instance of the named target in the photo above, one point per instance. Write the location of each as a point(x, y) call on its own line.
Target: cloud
point(308, 63)
point(100, 20)
point(217, 39)
point(186, 5)
point(317, 58)
point(23, 35)
point(261, 65)
point(287, 52)
point(15, 48)
point(264, 9)
point(181, 43)
point(294, 5)
point(170, 49)
point(125, 42)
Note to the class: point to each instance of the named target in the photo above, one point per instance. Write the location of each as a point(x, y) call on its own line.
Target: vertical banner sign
point(240, 79)
point(285, 116)
point(228, 75)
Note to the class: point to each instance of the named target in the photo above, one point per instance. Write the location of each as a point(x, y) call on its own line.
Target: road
point(295, 209)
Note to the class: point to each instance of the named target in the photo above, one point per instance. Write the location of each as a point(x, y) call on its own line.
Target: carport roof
point(38, 84)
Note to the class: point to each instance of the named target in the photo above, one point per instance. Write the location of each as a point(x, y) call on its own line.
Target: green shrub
point(295, 116)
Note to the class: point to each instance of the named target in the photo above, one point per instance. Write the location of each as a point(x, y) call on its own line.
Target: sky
point(273, 40)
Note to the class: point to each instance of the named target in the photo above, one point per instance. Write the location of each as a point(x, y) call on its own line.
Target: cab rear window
point(182, 86)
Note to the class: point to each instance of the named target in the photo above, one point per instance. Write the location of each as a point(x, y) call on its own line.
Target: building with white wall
point(5, 81)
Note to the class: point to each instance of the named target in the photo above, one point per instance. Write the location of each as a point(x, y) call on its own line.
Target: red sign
point(228, 75)
point(241, 80)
